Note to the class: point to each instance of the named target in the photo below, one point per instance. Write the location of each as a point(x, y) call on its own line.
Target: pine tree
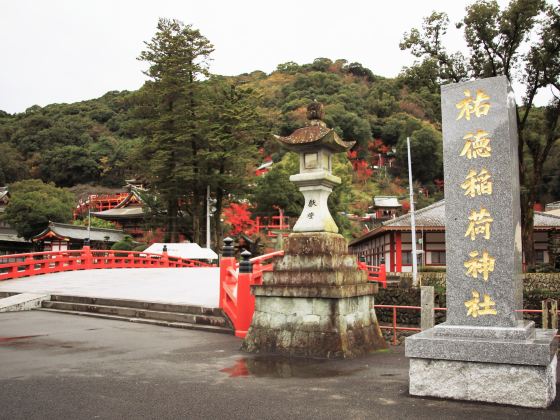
point(178, 56)
point(235, 131)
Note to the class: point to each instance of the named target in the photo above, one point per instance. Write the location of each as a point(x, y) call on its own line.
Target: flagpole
point(208, 216)
point(412, 219)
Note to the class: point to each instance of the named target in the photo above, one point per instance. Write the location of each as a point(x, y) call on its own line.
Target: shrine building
point(391, 242)
point(62, 237)
point(128, 214)
point(385, 208)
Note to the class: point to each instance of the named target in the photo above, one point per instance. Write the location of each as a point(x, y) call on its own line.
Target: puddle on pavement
point(284, 367)
point(21, 337)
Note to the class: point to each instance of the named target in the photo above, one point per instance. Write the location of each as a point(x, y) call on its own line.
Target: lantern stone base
point(315, 303)
point(484, 366)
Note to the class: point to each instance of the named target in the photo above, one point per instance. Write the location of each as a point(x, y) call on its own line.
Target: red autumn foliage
point(405, 206)
point(377, 146)
point(238, 216)
point(360, 166)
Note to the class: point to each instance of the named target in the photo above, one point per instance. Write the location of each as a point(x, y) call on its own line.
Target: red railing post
point(394, 325)
point(86, 256)
point(383, 275)
point(165, 257)
point(227, 262)
point(245, 300)
point(29, 266)
point(362, 263)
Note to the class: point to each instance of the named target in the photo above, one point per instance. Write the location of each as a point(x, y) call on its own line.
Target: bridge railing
point(30, 264)
point(236, 279)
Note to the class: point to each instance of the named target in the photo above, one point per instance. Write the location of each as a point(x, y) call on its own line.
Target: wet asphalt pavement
point(56, 366)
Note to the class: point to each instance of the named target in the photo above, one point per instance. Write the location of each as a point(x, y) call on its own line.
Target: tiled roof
point(546, 220)
point(552, 206)
point(386, 201)
point(81, 232)
point(266, 165)
point(433, 216)
point(316, 133)
point(120, 213)
point(3, 193)
point(10, 235)
point(183, 250)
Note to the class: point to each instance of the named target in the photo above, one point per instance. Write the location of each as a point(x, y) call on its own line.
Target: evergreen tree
point(234, 132)
point(178, 56)
point(522, 42)
point(34, 204)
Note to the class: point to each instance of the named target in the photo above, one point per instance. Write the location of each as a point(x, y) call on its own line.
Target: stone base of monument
point(515, 366)
point(315, 302)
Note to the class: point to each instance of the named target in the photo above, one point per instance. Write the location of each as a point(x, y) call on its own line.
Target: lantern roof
point(315, 134)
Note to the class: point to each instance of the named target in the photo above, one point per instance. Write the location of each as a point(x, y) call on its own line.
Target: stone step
point(184, 325)
point(138, 304)
point(128, 312)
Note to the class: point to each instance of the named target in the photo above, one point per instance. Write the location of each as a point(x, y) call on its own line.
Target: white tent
point(184, 250)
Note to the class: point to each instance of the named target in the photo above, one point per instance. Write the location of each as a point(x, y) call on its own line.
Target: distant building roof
point(552, 206)
point(129, 208)
point(265, 165)
point(4, 195)
point(10, 235)
point(134, 198)
point(120, 213)
point(67, 232)
point(386, 201)
point(433, 218)
point(184, 250)
point(546, 220)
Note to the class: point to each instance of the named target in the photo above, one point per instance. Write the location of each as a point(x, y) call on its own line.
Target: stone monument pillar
point(484, 351)
point(315, 302)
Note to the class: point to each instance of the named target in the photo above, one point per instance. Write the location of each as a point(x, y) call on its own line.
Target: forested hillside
point(186, 129)
point(94, 141)
point(102, 142)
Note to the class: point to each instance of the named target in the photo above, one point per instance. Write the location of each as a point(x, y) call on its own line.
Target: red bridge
point(235, 278)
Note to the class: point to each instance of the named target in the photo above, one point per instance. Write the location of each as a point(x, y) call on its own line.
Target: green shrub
point(126, 244)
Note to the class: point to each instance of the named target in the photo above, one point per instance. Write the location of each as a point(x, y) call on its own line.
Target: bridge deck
point(193, 286)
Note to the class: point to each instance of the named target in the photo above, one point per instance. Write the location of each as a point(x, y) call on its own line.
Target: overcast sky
point(66, 51)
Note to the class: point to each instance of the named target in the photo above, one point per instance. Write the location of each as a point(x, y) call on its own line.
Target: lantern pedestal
point(315, 302)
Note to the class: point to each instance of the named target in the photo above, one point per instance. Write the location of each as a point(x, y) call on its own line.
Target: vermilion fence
point(24, 265)
point(394, 325)
point(376, 273)
point(395, 328)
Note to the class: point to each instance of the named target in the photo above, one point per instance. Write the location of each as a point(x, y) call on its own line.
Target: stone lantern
point(315, 302)
point(315, 145)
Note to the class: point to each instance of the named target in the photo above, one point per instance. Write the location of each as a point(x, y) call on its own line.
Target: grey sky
point(67, 51)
